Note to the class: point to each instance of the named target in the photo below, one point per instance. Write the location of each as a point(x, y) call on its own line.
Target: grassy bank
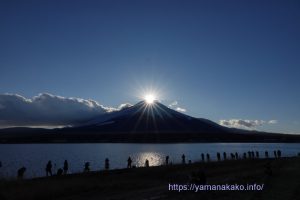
point(153, 183)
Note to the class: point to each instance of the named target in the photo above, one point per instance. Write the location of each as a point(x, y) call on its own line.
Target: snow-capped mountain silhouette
point(155, 117)
point(142, 123)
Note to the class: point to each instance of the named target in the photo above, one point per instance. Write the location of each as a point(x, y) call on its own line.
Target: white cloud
point(124, 105)
point(174, 103)
point(239, 123)
point(181, 109)
point(248, 124)
point(49, 110)
point(273, 121)
point(174, 106)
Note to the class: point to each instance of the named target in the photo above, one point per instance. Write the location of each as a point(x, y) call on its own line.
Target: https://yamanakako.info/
point(210, 187)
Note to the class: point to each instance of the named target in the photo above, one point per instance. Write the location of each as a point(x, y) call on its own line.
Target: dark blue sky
point(218, 59)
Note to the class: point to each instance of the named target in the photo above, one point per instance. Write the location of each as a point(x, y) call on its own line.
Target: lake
point(35, 156)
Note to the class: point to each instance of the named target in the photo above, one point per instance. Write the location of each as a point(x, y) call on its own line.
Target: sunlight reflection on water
point(35, 156)
point(155, 159)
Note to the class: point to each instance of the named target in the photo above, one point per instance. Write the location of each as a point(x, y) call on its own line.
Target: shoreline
point(153, 182)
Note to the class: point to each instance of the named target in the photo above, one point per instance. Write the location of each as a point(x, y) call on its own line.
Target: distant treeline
point(20, 135)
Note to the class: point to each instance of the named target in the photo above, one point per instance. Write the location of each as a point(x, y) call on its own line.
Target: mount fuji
point(142, 123)
point(154, 117)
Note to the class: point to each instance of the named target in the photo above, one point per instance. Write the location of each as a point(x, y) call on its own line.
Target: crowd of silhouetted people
point(220, 156)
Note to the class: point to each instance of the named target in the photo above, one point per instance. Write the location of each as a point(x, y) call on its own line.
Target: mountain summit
point(154, 117)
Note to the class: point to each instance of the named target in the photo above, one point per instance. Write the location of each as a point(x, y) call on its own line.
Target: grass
point(152, 183)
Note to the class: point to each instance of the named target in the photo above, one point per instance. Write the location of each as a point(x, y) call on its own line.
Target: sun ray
point(143, 108)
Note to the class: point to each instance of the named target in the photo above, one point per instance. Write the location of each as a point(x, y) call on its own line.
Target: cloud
point(124, 105)
point(174, 103)
point(49, 110)
point(174, 106)
point(273, 121)
point(248, 124)
point(181, 109)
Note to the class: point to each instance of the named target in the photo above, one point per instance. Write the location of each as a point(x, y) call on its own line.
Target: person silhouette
point(147, 163)
point(207, 157)
point(225, 156)
point(87, 167)
point(66, 167)
point(202, 157)
point(49, 168)
point(167, 160)
point(278, 153)
point(183, 158)
point(236, 156)
point(107, 164)
point(21, 172)
point(129, 162)
point(219, 156)
point(249, 155)
point(257, 154)
point(59, 172)
point(232, 156)
point(244, 155)
point(275, 154)
point(266, 154)
point(0, 164)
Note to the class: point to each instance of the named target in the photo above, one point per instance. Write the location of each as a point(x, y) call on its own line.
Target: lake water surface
point(35, 156)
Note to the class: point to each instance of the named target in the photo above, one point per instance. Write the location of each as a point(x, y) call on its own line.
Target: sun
point(149, 98)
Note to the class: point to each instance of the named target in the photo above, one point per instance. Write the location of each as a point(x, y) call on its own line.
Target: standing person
point(147, 163)
point(202, 157)
point(167, 160)
point(107, 164)
point(21, 172)
point(49, 168)
point(278, 153)
point(257, 154)
point(207, 157)
point(266, 154)
point(225, 155)
point(219, 156)
point(66, 167)
point(232, 156)
point(129, 162)
point(275, 154)
point(183, 158)
point(236, 155)
point(87, 167)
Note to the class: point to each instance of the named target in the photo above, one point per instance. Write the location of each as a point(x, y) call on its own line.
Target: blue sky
point(217, 59)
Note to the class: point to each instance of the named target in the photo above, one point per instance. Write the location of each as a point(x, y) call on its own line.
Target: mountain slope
point(155, 117)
